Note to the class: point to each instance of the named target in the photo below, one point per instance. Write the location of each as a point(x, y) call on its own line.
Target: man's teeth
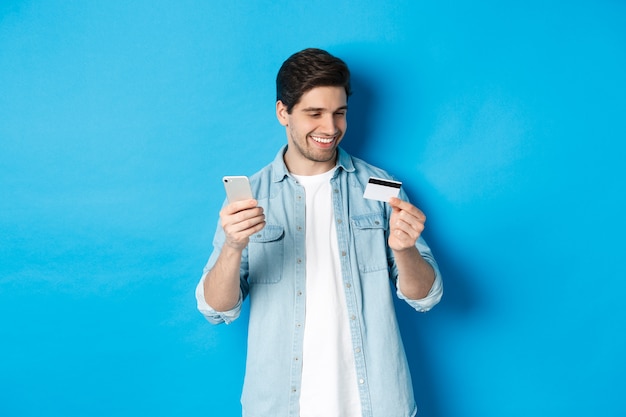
point(322, 140)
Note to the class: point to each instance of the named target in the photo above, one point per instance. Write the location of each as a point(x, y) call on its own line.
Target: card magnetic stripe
point(386, 183)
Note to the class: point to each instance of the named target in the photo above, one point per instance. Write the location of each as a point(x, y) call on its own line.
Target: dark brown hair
point(306, 70)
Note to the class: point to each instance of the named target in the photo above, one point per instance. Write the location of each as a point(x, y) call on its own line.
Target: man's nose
point(328, 125)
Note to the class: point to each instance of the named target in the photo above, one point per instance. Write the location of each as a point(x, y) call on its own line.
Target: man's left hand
point(405, 225)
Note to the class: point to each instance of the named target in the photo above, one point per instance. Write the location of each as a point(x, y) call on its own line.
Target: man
point(316, 260)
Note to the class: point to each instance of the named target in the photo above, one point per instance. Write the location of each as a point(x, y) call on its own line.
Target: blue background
point(118, 119)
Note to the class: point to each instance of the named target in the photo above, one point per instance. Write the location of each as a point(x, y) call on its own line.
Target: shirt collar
point(280, 171)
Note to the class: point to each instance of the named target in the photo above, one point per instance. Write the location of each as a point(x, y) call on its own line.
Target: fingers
point(238, 206)
point(406, 224)
point(244, 221)
point(240, 220)
point(410, 209)
point(412, 227)
point(407, 212)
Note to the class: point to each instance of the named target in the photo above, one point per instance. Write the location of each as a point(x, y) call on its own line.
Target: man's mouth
point(323, 140)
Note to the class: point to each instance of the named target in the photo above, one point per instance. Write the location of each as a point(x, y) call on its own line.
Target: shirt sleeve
point(213, 316)
point(436, 291)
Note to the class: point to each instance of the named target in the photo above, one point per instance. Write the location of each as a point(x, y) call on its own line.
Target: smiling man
point(316, 260)
point(315, 126)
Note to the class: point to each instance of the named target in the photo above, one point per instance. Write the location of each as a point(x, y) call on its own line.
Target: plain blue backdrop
point(505, 120)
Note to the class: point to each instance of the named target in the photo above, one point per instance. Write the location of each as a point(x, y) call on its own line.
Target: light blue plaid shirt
point(273, 276)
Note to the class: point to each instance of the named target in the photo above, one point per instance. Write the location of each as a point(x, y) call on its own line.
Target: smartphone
point(237, 188)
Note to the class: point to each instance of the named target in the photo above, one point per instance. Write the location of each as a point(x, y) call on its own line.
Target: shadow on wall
point(359, 116)
point(419, 332)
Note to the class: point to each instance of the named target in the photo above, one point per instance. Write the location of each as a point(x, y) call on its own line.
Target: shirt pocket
point(370, 241)
point(266, 251)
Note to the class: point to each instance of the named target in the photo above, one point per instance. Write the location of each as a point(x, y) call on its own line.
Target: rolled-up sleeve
point(436, 291)
point(213, 316)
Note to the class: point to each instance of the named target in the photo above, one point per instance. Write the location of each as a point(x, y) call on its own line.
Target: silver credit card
point(381, 189)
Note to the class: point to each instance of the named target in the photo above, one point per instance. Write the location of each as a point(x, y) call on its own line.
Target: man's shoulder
point(267, 178)
point(364, 169)
point(267, 169)
point(262, 178)
point(277, 164)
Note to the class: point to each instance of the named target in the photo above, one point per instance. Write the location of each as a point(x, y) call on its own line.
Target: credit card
point(381, 189)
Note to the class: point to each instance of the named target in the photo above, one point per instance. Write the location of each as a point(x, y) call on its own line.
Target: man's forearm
point(221, 284)
point(415, 275)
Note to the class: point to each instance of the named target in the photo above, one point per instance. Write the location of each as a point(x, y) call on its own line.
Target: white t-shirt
point(329, 382)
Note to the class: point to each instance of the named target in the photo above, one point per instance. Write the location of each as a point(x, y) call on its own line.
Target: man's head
point(306, 70)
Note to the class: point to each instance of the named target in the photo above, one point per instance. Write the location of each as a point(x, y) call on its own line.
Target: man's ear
point(281, 113)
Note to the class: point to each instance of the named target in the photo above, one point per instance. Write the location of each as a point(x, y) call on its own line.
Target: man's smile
point(323, 140)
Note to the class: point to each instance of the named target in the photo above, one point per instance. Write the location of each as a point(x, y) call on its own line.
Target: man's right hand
point(240, 220)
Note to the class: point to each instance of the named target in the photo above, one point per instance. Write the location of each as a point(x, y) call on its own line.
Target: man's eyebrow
point(319, 109)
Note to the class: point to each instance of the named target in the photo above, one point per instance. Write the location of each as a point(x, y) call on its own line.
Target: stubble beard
point(310, 153)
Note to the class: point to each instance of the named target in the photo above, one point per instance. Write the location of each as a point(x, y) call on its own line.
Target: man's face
point(314, 128)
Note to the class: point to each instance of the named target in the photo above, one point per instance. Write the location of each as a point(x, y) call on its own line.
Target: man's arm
point(415, 275)
point(239, 220)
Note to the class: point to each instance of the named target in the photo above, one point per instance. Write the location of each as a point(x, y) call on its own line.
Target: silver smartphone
point(237, 188)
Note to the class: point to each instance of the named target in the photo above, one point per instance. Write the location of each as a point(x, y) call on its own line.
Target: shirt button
point(336, 190)
point(339, 221)
point(299, 261)
point(348, 285)
point(299, 293)
point(353, 317)
point(361, 381)
point(299, 228)
point(358, 350)
point(343, 253)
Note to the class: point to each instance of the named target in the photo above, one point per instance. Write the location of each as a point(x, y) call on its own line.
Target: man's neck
point(307, 167)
